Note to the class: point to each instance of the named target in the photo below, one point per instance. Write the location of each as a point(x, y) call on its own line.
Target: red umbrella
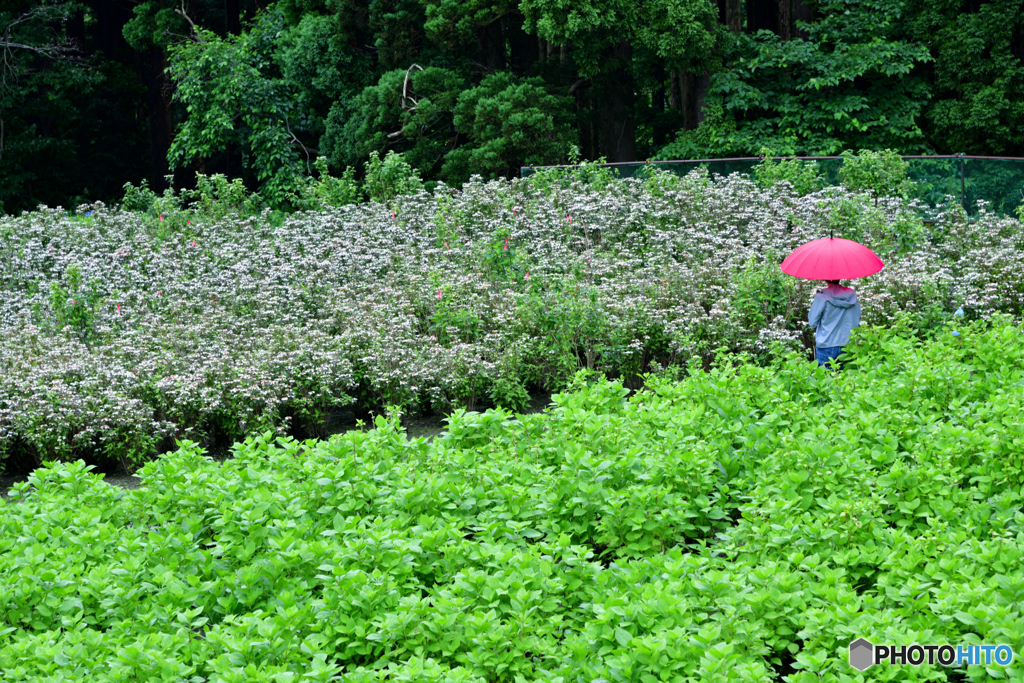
point(832, 258)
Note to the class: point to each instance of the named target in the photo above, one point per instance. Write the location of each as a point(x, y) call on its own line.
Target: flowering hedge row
point(119, 334)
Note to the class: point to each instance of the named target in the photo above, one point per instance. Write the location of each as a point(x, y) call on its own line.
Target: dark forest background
point(97, 93)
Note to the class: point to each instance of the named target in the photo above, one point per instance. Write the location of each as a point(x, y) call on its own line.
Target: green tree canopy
point(259, 89)
point(849, 83)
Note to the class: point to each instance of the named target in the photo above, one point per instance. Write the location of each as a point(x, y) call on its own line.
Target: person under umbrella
point(835, 310)
point(833, 315)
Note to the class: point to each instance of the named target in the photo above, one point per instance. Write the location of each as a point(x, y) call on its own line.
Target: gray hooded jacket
point(834, 313)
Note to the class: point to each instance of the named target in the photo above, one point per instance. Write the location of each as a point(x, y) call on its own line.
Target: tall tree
point(978, 97)
point(852, 83)
point(68, 126)
point(605, 38)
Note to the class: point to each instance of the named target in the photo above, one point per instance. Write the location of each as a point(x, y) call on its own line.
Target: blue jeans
point(827, 353)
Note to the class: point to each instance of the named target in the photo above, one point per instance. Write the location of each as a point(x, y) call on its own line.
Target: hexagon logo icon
point(862, 654)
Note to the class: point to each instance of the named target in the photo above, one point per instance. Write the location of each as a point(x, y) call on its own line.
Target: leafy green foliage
point(214, 198)
point(233, 98)
point(877, 173)
point(410, 111)
point(977, 105)
point(264, 89)
point(390, 177)
point(510, 123)
point(804, 176)
point(680, 32)
point(327, 190)
point(155, 24)
point(763, 293)
point(317, 58)
point(454, 25)
point(849, 83)
point(743, 524)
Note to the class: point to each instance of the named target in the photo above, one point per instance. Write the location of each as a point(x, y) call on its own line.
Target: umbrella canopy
point(831, 258)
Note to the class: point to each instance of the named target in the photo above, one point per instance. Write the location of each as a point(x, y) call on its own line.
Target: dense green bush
point(740, 525)
point(804, 176)
point(882, 174)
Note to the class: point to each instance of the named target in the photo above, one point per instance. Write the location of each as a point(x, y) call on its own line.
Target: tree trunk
point(785, 19)
point(110, 20)
point(694, 89)
point(686, 100)
point(762, 14)
point(232, 14)
point(659, 132)
point(151, 67)
point(587, 130)
point(701, 85)
point(616, 116)
point(803, 11)
point(730, 14)
point(522, 53)
point(734, 15)
point(491, 41)
point(673, 89)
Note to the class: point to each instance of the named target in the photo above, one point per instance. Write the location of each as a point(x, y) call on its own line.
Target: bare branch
point(405, 88)
point(66, 50)
point(309, 171)
point(196, 36)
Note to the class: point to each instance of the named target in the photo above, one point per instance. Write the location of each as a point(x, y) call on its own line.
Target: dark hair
point(832, 282)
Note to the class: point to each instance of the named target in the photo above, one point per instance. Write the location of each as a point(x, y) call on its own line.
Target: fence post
point(963, 194)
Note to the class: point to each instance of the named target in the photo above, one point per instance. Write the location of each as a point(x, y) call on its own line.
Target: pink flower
point(506, 244)
point(119, 309)
point(392, 214)
point(159, 294)
point(569, 218)
point(439, 295)
point(527, 275)
point(161, 219)
point(447, 247)
point(193, 243)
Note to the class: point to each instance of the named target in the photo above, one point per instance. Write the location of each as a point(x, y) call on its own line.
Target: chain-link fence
point(999, 181)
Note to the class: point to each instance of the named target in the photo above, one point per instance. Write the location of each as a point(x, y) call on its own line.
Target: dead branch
point(67, 50)
point(288, 127)
point(196, 36)
point(405, 88)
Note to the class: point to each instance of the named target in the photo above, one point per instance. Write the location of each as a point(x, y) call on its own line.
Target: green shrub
point(390, 177)
point(804, 176)
point(216, 197)
point(327, 190)
point(880, 174)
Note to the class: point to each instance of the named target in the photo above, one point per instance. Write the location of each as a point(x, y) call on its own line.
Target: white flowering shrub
point(119, 334)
